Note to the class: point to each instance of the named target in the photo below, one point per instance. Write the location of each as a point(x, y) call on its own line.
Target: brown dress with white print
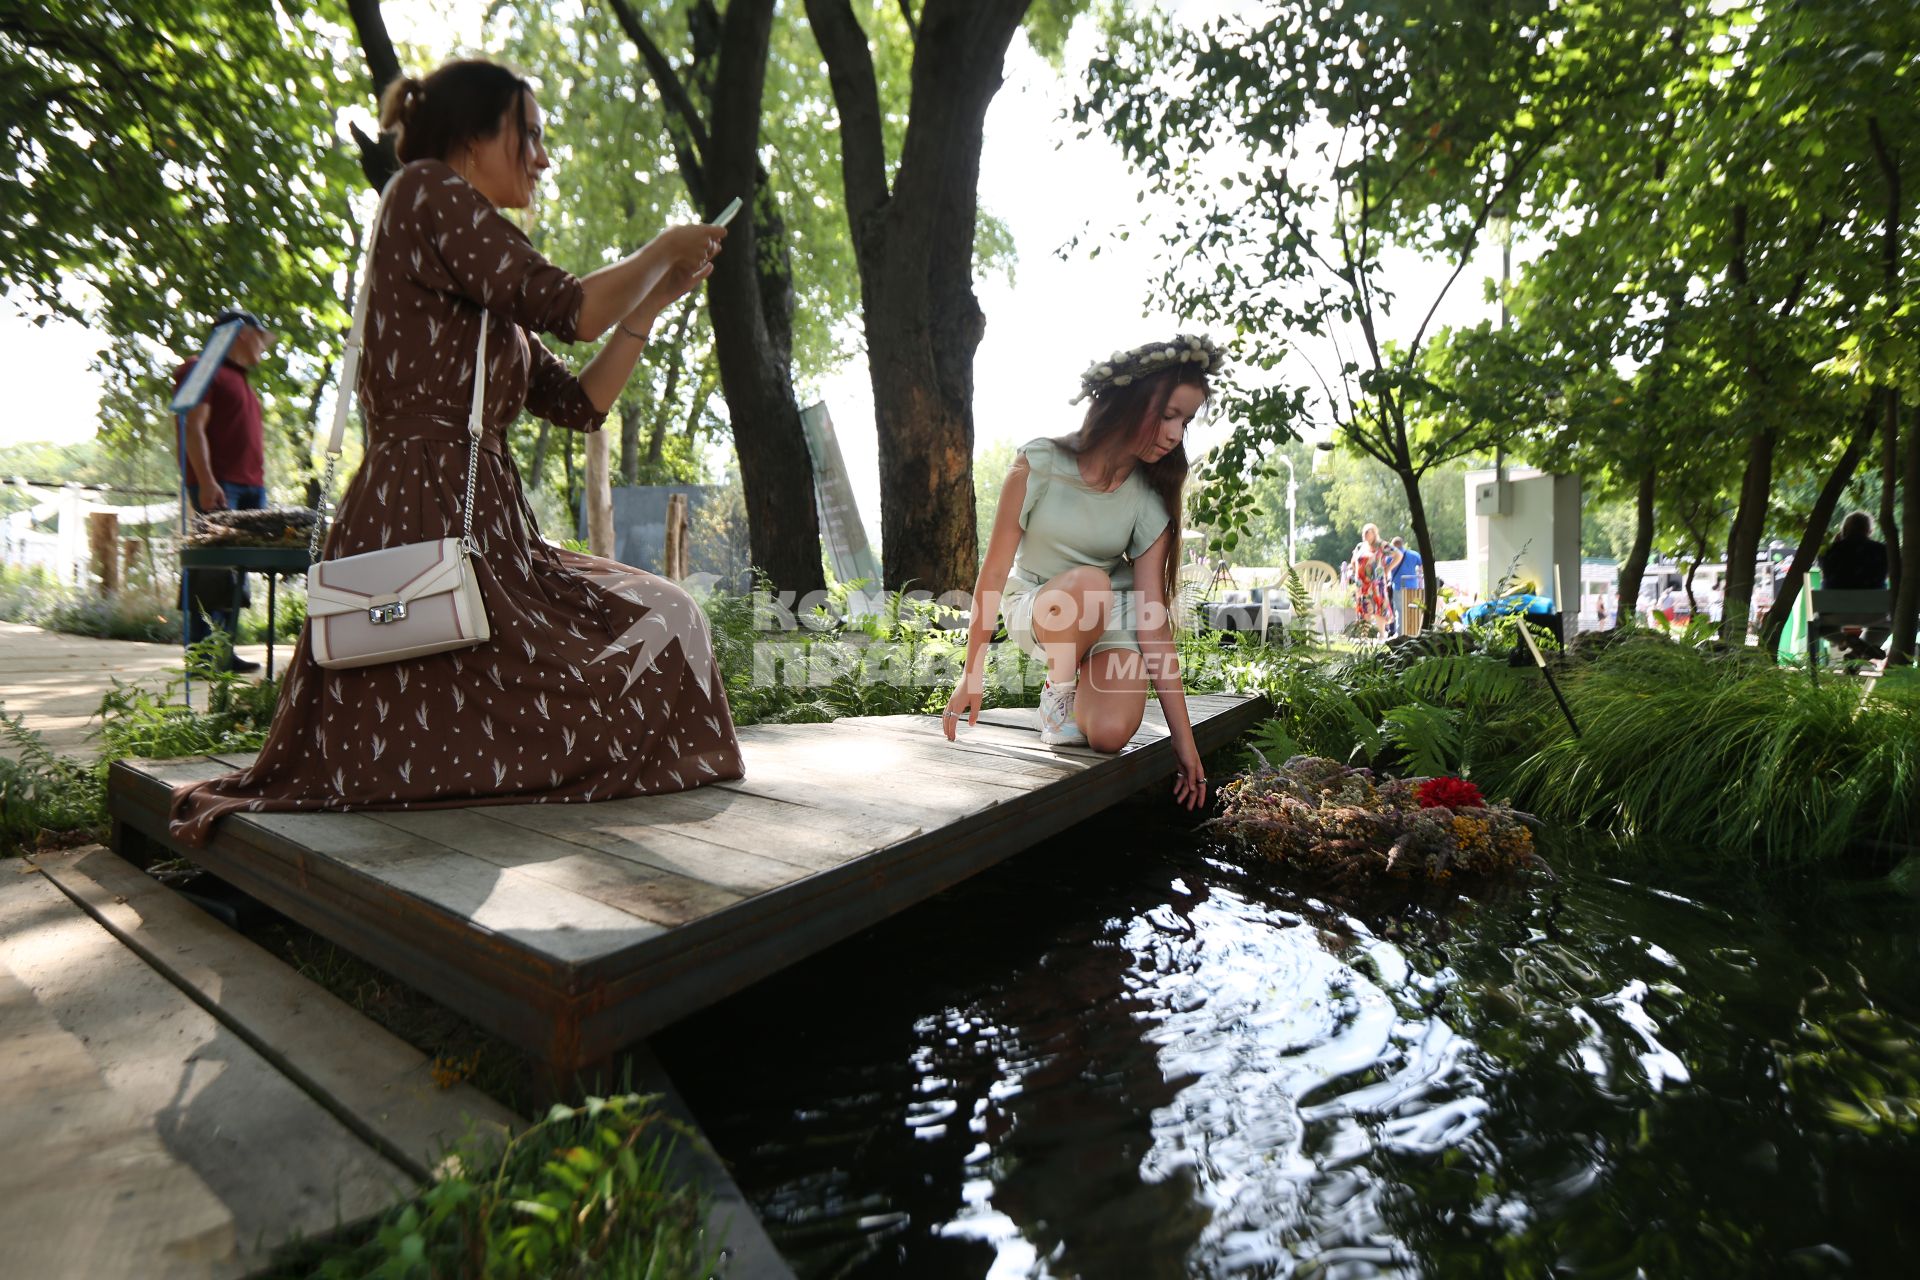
point(599, 680)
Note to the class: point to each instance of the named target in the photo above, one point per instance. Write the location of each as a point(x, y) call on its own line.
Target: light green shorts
point(1016, 606)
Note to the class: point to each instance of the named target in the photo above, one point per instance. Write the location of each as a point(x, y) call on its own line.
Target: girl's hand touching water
point(1189, 780)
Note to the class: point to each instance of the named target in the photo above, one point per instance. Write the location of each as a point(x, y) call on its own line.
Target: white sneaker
point(1055, 716)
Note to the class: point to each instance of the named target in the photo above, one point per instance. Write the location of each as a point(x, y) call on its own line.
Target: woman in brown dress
point(599, 680)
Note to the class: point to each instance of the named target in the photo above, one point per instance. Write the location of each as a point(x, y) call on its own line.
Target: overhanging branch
point(856, 94)
point(690, 141)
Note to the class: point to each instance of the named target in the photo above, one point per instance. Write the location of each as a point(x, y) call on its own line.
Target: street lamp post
point(1293, 488)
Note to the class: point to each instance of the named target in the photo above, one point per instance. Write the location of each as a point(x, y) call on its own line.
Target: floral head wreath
point(1123, 368)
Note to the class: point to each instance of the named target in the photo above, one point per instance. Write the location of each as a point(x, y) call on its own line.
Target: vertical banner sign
point(840, 526)
point(194, 386)
point(192, 389)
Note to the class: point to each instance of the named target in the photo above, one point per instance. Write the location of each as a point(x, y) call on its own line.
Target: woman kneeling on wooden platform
point(1082, 559)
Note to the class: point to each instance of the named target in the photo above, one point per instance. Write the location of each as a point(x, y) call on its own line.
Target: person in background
point(1404, 567)
point(225, 462)
point(1369, 560)
point(1855, 561)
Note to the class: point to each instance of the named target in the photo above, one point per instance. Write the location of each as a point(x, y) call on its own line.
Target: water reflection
point(1121, 1056)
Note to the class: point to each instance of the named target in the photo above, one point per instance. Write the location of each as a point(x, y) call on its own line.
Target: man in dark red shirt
point(225, 457)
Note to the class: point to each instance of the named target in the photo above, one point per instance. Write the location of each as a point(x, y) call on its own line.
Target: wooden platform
point(175, 1102)
point(575, 930)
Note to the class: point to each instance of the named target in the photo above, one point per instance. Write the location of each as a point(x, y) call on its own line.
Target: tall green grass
point(1705, 754)
point(1727, 755)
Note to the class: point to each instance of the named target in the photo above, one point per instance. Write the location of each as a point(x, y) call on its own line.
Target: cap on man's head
point(234, 313)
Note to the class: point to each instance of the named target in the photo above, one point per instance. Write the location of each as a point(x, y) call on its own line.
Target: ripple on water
point(1151, 1064)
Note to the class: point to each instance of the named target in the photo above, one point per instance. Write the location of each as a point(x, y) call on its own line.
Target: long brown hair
point(457, 104)
point(1128, 415)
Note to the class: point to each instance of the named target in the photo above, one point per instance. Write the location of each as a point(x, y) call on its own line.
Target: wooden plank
point(279, 1162)
point(378, 1085)
point(923, 746)
point(515, 993)
point(742, 872)
point(875, 763)
point(87, 1188)
point(706, 960)
point(779, 829)
point(634, 900)
point(992, 740)
point(867, 772)
point(393, 851)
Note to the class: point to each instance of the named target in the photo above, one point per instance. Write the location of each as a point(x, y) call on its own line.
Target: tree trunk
point(1756, 481)
point(657, 438)
point(750, 294)
point(750, 297)
point(914, 246)
point(702, 397)
point(1423, 539)
point(1818, 522)
point(1890, 489)
point(1626, 608)
point(1906, 600)
point(629, 443)
point(1743, 537)
point(599, 494)
point(539, 465)
point(377, 158)
point(1890, 262)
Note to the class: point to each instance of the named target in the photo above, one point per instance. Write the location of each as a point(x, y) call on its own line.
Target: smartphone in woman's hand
point(726, 214)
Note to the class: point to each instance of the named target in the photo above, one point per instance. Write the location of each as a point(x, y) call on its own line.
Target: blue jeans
point(202, 623)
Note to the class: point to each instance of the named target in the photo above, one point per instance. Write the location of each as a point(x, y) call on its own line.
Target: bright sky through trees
point(1057, 315)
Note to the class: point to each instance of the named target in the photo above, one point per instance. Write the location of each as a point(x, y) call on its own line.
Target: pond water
point(1122, 1055)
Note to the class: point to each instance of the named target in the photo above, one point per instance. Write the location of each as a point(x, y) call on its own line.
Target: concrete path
point(57, 680)
point(176, 1102)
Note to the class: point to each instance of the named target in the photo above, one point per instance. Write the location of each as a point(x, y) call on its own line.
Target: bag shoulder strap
point(350, 384)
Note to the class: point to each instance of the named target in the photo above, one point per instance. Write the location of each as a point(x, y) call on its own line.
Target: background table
point(272, 561)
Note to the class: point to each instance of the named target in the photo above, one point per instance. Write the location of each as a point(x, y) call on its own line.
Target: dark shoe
point(240, 665)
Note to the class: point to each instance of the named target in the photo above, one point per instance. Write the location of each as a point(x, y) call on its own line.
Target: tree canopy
point(171, 160)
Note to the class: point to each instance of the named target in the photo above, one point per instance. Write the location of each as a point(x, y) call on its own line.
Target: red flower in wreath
point(1449, 793)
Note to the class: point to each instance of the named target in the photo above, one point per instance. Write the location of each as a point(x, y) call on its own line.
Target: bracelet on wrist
point(622, 326)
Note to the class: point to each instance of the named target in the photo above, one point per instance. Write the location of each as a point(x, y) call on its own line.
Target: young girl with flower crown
point(1082, 559)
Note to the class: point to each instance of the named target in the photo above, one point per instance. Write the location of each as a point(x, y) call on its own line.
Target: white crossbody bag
point(397, 602)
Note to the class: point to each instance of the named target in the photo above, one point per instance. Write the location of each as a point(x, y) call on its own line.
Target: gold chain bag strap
point(397, 602)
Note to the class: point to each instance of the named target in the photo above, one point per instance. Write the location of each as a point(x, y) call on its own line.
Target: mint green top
point(1068, 523)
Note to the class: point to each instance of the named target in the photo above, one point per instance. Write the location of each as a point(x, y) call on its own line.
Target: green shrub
point(903, 660)
point(42, 794)
point(585, 1193)
point(33, 596)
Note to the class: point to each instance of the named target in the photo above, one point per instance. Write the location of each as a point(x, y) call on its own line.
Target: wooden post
point(599, 494)
point(130, 551)
point(675, 558)
point(103, 541)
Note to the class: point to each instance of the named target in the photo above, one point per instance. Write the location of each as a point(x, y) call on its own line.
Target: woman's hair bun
point(399, 102)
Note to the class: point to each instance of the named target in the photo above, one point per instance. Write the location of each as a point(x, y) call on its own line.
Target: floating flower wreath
point(1124, 368)
point(1329, 819)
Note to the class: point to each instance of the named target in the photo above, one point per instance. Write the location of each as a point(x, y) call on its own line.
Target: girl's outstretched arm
point(1001, 544)
point(1163, 669)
